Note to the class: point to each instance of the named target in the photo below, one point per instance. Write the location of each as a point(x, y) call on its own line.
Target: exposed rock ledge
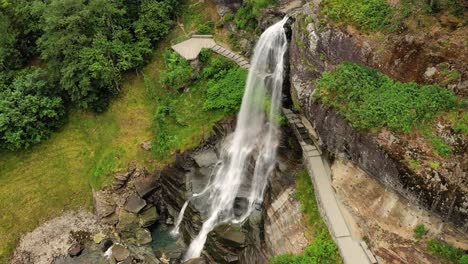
point(388, 220)
point(444, 192)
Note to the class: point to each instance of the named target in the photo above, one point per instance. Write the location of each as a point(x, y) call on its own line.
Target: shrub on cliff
point(225, 82)
point(226, 93)
point(178, 71)
point(369, 99)
point(366, 15)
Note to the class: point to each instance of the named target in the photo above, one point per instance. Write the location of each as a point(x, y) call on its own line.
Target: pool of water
point(164, 242)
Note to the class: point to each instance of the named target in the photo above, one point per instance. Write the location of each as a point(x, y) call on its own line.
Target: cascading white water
point(253, 142)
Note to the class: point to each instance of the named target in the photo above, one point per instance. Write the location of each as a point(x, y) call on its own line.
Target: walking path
point(190, 49)
point(352, 251)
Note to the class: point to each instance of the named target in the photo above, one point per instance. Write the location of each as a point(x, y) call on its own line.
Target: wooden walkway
point(191, 48)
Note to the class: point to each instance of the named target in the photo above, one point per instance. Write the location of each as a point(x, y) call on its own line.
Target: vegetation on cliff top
point(210, 94)
point(370, 100)
point(84, 46)
point(380, 15)
point(322, 249)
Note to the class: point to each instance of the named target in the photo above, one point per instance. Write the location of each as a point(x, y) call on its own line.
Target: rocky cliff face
point(263, 234)
point(316, 48)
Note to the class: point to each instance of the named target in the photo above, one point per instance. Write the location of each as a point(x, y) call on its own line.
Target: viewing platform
point(191, 48)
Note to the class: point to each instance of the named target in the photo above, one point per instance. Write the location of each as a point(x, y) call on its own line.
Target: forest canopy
point(82, 48)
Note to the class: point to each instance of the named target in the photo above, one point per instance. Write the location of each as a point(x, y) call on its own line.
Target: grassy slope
point(42, 182)
point(58, 175)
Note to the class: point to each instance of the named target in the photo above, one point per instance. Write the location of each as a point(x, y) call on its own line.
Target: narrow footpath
point(352, 251)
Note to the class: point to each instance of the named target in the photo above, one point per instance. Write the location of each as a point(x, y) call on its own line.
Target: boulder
point(120, 253)
point(143, 236)
point(205, 158)
point(75, 249)
point(145, 186)
point(112, 219)
point(148, 216)
point(122, 176)
point(135, 203)
point(230, 235)
point(127, 221)
point(103, 204)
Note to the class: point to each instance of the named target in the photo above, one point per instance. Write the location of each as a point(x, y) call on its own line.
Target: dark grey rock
point(127, 221)
point(135, 203)
point(103, 204)
point(145, 186)
point(143, 236)
point(148, 216)
point(122, 176)
point(75, 249)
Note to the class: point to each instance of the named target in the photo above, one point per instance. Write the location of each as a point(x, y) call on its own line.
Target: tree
point(29, 110)
point(8, 53)
point(89, 44)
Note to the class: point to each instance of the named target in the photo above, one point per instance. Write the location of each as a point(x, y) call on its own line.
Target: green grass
point(371, 100)
point(369, 15)
point(322, 249)
point(185, 118)
point(59, 174)
point(379, 15)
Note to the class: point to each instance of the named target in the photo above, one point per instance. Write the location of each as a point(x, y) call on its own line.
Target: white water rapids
point(249, 157)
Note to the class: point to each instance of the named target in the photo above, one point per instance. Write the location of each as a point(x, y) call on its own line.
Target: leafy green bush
point(420, 231)
point(206, 28)
point(369, 99)
point(178, 72)
point(463, 259)
point(442, 148)
point(461, 124)
point(446, 251)
point(247, 16)
point(164, 139)
point(29, 109)
point(225, 93)
point(369, 15)
point(214, 66)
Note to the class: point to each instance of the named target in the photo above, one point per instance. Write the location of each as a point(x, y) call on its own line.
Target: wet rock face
point(248, 243)
point(316, 48)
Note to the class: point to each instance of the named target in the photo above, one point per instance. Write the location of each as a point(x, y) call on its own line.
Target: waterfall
point(248, 158)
